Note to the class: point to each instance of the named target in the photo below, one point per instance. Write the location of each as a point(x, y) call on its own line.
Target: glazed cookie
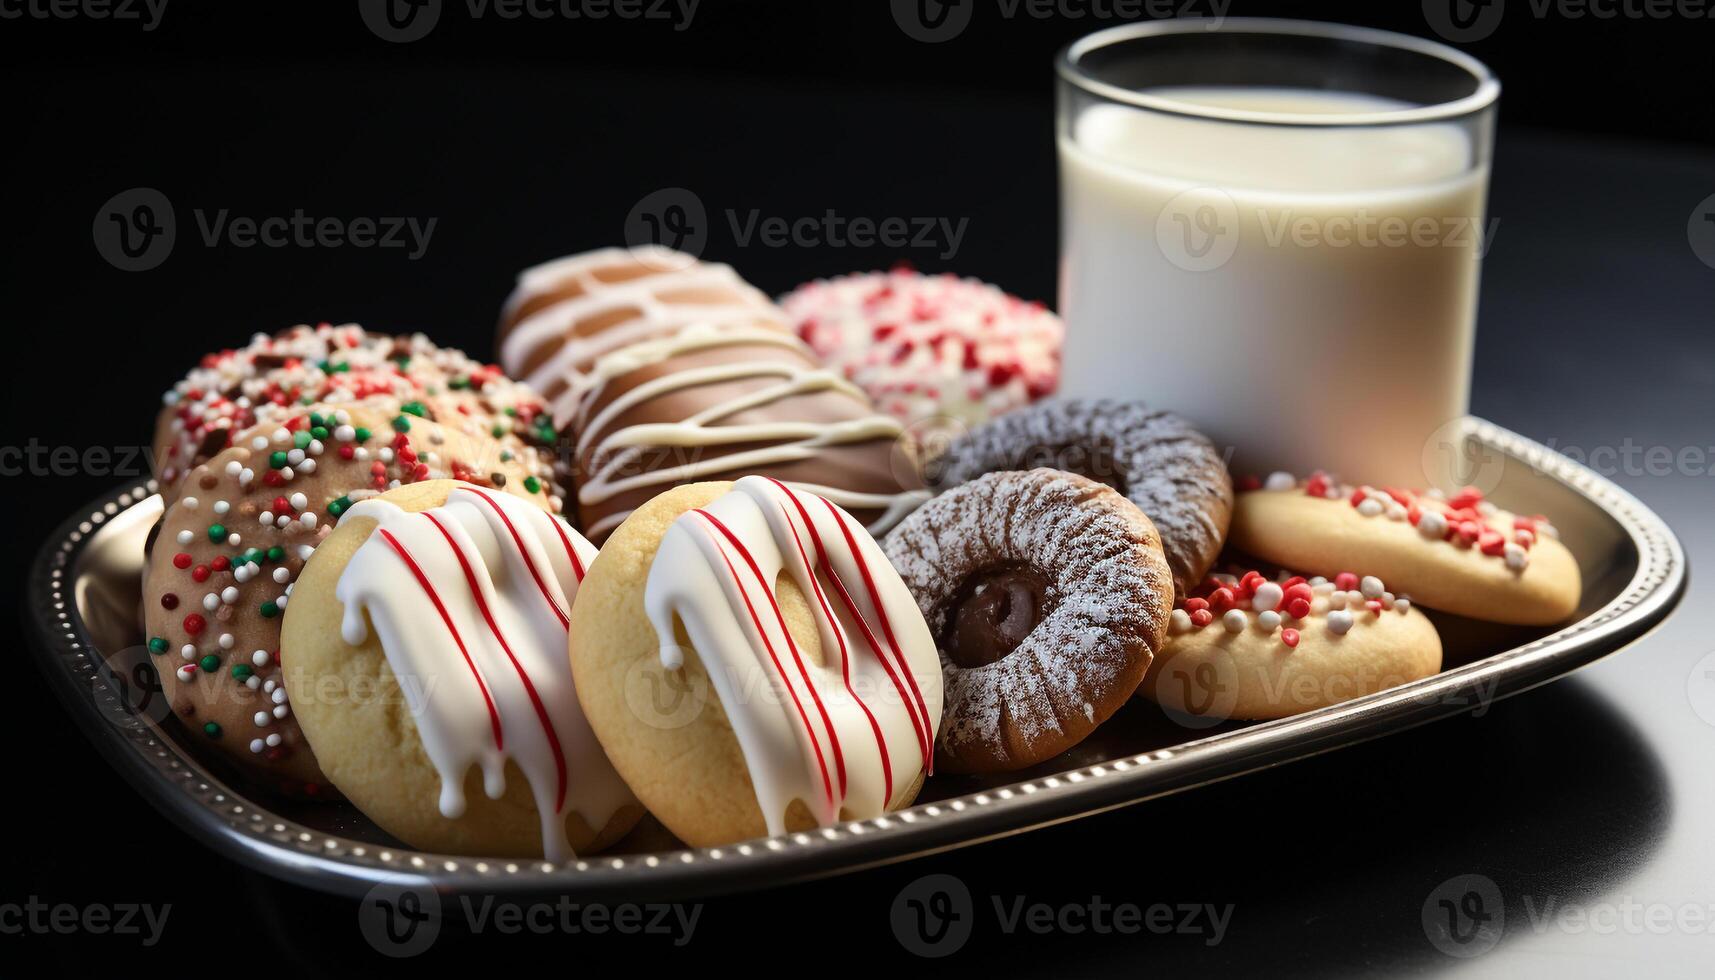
point(273, 378)
point(1460, 554)
point(1165, 467)
point(224, 556)
point(1048, 594)
point(427, 641)
point(1248, 647)
point(931, 346)
point(752, 663)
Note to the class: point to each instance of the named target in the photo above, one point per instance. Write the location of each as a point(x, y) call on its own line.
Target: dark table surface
point(1597, 334)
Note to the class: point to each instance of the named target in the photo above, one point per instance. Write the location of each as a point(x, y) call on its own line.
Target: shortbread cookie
point(753, 665)
point(222, 561)
point(427, 641)
point(1248, 647)
point(1161, 464)
point(1460, 554)
point(1048, 594)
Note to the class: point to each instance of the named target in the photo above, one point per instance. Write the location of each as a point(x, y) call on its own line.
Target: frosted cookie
point(273, 378)
point(427, 641)
point(1156, 459)
point(753, 665)
point(1460, 554)
point(931, 346)
point(1248, 647)
point(1048, 595)
point(222, 561)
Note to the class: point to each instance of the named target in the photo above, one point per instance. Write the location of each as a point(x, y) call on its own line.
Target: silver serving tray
point(83, 603)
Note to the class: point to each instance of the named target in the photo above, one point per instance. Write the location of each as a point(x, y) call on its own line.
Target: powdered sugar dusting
point(1108, 600)
point(1170, 470)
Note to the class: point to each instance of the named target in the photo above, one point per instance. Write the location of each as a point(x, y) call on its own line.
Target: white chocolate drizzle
point(614, 457)
point(647, 307)
point(471, 601)
point(846, 737)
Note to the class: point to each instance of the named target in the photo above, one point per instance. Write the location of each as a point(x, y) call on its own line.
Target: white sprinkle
point(282, 435)
point(211, 602)
point(1179, 622)
point(1336, 600)
point(256, 746)
point(282, 575)
point(281, 710)
point(188, 651)
point(1370, 507)
point(308, 520)
point(259, 443)
point(266, 517)
point(273, 739)
point(260, 658)
point(1268, 596)
point(279, 695)
point(226, 641)
point(1280, 480)
point(1402, 604)
point(1235, 621)
point(299, 501)
point(1268, 620)
point(1432, 524)
point(221, 507)
point(189, 503)
point(344, 433)
point(234, 467)
point(261, 719)
point(234, 540)
point(294, 457)
point(1516, 557)
point(1339, 621)
point(229, 595)
point(186, 537)
point(1371, 587)
point(307, 466)
point(246, 475)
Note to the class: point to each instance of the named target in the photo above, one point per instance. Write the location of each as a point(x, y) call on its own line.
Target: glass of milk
point(1275, 229)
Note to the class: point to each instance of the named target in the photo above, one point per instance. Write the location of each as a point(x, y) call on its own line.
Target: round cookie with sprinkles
point(222, 561)
point(274, 378)
point(1458, 553)
point(1246, 646)
point(926, 346)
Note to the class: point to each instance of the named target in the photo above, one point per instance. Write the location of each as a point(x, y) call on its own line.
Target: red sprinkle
point(1289, 637)
point(1195, 604)
point(200, 573)
point(181, 560)
point(1298, 608)
point(1202, 617)
point(169, 601)
point(1345, 581)
point(194, 624)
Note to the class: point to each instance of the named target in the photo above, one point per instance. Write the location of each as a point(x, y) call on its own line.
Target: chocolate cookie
point(1156, 459)
point(1048, 595)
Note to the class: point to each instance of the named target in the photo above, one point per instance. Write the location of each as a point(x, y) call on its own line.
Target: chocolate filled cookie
point(1048, 594)
point(1155, 459)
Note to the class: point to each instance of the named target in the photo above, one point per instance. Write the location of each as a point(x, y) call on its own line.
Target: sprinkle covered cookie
point(222, 561)
point(1461, 554)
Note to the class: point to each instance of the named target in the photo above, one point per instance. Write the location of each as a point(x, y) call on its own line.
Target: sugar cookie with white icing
point(1460, 554)
point(1253, 648)
point(427, 641)
point(753, 665)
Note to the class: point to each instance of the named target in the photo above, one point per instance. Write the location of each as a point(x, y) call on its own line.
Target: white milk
point(1315, 312)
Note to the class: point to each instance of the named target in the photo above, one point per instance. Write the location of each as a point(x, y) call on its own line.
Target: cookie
point(929, 347)
point(427, 650)
point(1249, 647)
point(222, 561)
point(1048, 594)
point(1460, 554)
point(273, 378)
point(753, 665)
point(1156, 459)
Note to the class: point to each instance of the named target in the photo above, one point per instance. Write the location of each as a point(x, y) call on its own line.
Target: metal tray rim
point(249, 832)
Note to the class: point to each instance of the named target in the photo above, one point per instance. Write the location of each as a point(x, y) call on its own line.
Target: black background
point(529, 139)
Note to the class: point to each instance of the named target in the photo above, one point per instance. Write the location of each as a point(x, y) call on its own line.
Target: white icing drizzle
point(655, 313)
point(845, 737)
point(470, 600)
point(617, 452)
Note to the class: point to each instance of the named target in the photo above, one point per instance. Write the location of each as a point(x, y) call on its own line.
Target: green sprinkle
point(414, 408)
point(270, 610)
point(319, 432)
point(317, 421)
point(212, 729)
point(532, 484)
point(277, 459)
point(363, 434)
point(497, 430)
point(242, 671)
point(217, 533)
point(459, 384)
point(301, 439)
point(402, 424)
point(307, 400)
point(251, 557)
point(506, 455)
point(276, 553)
point(209, 664)
point(157, 645)
point(338, 507)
